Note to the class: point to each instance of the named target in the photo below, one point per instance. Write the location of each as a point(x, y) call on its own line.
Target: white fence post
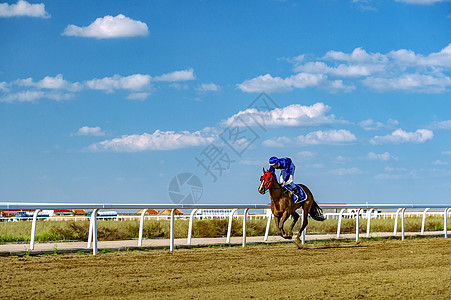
point(229, 228)
point(445, 223)
point(91, 229)
point(190, 226)
point(423, 222)
point(244, 226)
point(141, 227)
point(402, 224)
point(303, 231)
point(339, 222)
point(94, 231)
point(395, 231)
point(357, 225)
point(171, 246)
point(268, 224)
point(368, 216)
point(33, 228)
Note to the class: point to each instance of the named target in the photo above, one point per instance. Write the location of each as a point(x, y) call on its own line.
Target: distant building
point(79, 212)
point(62, 212)
point(167, 212)
point(148, 212)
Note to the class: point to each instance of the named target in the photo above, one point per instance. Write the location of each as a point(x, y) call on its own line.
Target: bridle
point(268, 177)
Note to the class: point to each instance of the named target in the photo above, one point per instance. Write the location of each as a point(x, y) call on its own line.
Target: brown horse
point(283, 206)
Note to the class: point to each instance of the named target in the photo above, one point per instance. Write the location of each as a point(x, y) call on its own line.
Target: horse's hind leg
point(277, 221)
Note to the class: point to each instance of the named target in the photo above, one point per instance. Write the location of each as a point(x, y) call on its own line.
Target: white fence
point(358, 208)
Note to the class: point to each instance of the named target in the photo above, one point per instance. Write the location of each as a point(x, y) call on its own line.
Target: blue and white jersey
point(287, 166)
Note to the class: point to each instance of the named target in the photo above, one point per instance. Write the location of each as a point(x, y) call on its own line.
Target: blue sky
point(108, 102)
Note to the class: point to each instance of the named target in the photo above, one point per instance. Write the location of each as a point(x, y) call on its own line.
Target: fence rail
point(92, 238)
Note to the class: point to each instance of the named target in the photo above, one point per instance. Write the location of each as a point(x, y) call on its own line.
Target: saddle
point(299, 194)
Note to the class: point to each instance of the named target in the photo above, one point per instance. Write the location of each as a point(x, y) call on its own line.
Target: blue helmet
point(273, 160)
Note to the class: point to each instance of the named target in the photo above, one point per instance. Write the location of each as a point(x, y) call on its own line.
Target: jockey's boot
point(296, 191)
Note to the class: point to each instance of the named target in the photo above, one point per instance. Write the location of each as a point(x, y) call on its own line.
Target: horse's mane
point(273, 174)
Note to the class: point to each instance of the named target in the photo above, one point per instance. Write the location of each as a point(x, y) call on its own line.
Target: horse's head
point(266, 181)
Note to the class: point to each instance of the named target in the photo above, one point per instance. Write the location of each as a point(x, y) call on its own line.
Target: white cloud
point(159, 140)
point(90, 131)
point(208, 87)
point(385, 176)
point(28, 90)
point(372, 125)
point(265, 83)
point(331, 137)
point(410, 82)
point(178, 86)
point(446, 152)
point(52, 83)
point(382, 156)
point(4, 87)
point(23, 9)
point(346, 171)
point(341, 159)
point(134, 82)
point(269, 84)
point(396, 174)
point(441, 125)
point(439, 163)
point(175, 76)
point(138, 96)
point(109, 27)
point(30, 96)
point(358, 55)
point(337, 71)
point(292, 115)
point(25, 96)
point(327, 137)
point(137, 82)
point(400, 136)
point(305, 155)
point(342, 70)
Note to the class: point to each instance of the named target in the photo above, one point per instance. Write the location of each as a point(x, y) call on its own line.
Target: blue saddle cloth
point(302, 195)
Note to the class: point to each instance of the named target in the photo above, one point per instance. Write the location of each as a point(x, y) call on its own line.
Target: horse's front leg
point(284, 217)
point(277, 221)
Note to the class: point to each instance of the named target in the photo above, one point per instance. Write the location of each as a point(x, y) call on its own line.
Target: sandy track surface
point(417, 269)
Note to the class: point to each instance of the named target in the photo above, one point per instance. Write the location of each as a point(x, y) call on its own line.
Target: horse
point(283, 206)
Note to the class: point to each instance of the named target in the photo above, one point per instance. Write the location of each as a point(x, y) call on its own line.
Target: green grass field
point(109, 230)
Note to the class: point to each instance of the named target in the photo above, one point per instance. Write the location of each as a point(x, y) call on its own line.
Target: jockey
point(287, 173)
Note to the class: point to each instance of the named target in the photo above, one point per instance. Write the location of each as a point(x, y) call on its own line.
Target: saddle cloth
point(302, 195)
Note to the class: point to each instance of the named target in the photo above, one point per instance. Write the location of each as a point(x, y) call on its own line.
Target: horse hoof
point(288, 237)
point(298, 243)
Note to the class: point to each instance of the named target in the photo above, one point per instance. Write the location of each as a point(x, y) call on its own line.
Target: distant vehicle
point(23, 215)
point(28, 215)
point(104, 215)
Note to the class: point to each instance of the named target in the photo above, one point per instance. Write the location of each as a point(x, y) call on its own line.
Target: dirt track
point(411, 269)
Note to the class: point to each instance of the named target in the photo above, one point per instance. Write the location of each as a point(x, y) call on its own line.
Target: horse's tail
point(316, 212)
